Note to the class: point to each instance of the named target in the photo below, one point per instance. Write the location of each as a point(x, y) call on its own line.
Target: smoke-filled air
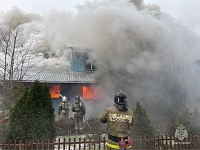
point(139, 49)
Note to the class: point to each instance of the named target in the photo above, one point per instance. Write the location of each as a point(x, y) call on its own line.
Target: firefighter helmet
point(120, 100)
point(77, 97)
point(64, 98)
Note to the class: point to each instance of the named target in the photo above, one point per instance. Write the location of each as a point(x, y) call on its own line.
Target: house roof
point(57, 75)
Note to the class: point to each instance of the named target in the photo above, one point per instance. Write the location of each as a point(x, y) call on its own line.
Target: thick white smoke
point(138, 48)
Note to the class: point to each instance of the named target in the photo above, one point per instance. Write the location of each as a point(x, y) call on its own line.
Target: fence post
point(166, 140)
point(64, 140)
point(84, 143)
point(20, 145)
point(3, 144)
point(25, 144)
point(53, 144)
point(170, 144)
point(48, 143)
point(15, 145)
point(79, 143)
point(89, 143)
point(158, 139)
point(9, 144)
point(145, 142)
point(178, 144)
point(43, 144)
point(94, 142)
point(162, 141)
point(59, 144)
point(191, 142)
point(104, 141)
point(37, 144)
point(99, 142)
point(69, 143)
point(154, 142)
point(31, 144)
point(74, 143)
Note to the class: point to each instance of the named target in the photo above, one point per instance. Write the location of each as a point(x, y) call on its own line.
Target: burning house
point(139, 48)
point(78, 79)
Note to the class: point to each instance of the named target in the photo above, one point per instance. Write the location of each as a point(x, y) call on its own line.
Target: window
point(55, 91)
point(88, 92)
point(91, 92)
point(90, 66)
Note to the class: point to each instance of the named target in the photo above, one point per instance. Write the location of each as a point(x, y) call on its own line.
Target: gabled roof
point(57, 75)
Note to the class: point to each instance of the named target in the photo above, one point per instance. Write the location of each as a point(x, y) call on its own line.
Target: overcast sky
point(39, 6)
point(185, 10)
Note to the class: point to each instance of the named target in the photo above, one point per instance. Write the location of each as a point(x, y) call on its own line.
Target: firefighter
point(79, 111)
point(119, 120)
point(63, 110)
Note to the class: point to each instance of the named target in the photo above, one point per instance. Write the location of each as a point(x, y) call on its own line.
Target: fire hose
point(86, 122)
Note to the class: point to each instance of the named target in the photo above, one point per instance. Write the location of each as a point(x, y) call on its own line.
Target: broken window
point(90, 65)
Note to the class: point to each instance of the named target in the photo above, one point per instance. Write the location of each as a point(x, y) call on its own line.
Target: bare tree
point(15, 58)
point(14, 51)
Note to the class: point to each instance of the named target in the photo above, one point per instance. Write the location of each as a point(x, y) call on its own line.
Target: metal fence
point(98, 143)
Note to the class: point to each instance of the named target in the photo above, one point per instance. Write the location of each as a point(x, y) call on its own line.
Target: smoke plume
point(139, 49)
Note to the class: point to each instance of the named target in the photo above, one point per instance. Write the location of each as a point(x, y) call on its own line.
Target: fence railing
point(167, 142)
point(98, 143)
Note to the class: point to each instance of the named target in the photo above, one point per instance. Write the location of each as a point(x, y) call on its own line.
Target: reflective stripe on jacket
point(114, 146)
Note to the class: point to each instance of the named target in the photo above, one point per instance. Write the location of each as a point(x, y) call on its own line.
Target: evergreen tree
point(48, 114)
point(37, 120)
point(34, 118)
point(142, 125)
point(17, 119)
point(190, 120)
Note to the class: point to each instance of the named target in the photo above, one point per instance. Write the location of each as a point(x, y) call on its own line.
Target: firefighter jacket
point(118, 122)
point(64, 107)
point(79, 108)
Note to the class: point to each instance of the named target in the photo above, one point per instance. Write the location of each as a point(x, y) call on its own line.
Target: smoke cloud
point(139, 49)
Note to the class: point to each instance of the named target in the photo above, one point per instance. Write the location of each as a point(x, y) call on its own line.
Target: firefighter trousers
point(78, 123)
